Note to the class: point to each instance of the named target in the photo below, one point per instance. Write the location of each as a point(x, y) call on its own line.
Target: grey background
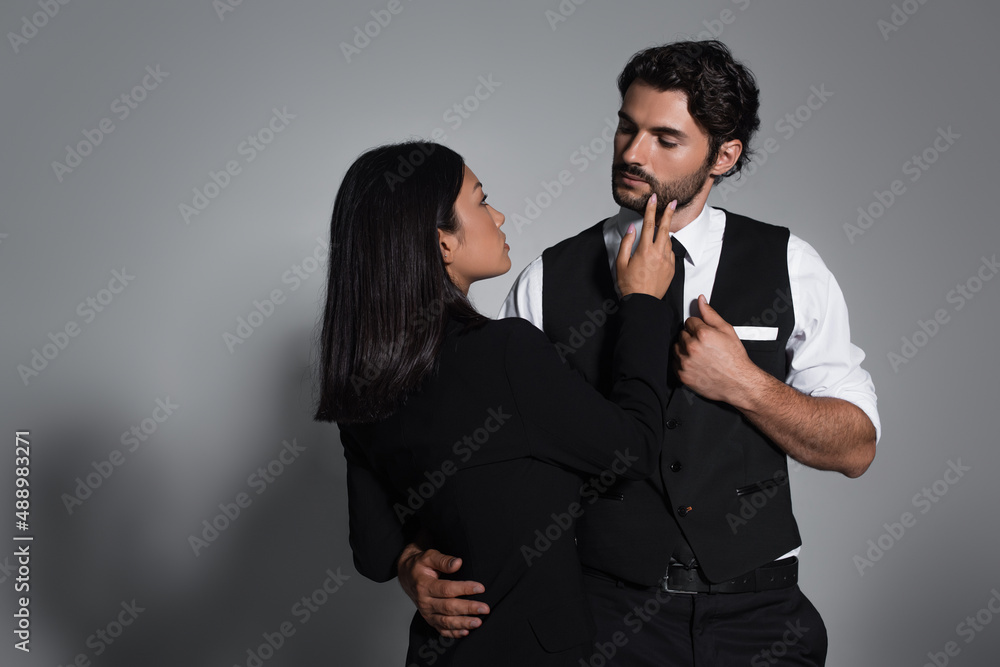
point(162, 336)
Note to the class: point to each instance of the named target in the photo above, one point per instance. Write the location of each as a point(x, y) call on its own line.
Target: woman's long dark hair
point(388, 295)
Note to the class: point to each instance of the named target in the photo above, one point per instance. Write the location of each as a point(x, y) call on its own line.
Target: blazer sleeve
point(570, 423)
point(378, 533)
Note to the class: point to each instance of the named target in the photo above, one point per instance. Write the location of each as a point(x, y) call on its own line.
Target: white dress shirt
point(824, 362)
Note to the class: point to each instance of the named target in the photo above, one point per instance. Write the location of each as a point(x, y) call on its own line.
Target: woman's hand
point(651, 268)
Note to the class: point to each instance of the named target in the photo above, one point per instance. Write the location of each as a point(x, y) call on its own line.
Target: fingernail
point(478, 589)
point(475, 623)
point(672, 205)
point(483, 610)
point(631, 229)
point(451, 563)
point(652, 197)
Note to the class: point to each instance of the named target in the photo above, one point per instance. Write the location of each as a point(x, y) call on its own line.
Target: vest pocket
point(761, 345)
point(768, 485)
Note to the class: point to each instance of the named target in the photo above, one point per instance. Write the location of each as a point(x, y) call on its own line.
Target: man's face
point(659, 147)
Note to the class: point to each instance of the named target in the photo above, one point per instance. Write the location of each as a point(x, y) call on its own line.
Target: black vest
point(721, 482)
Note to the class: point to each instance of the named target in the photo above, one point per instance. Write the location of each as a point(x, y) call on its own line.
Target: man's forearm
point(820, 432)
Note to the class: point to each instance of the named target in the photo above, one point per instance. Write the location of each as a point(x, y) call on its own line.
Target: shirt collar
point(694, 236)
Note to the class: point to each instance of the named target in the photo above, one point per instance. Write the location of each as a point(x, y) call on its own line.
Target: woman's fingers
point(648, 223)
point(663, 225)
point(625, 249)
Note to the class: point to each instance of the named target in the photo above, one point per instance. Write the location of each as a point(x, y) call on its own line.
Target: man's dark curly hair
point(722, 93)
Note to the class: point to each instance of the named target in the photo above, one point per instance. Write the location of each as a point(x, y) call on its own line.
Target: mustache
point(633, 171)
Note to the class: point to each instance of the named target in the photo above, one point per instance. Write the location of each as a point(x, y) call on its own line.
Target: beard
point(683, 189)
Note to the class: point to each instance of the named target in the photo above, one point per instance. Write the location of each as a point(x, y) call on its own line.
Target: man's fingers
point(456, 608)
point(454, 634)
point(436, 560)
point(692, 324)
point(443, 588)
point(448, 614)
point(681, 346)
point(709, 314)
point(454, 618)
point(455, 624)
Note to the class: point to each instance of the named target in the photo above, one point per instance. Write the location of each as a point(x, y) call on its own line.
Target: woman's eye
point(484, 199)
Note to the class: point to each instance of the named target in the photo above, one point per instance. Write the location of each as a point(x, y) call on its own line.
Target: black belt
point(778, 574)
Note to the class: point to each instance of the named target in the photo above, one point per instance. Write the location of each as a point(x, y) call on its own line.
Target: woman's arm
point(569, 422)
point(377, 532)
point(567, 408)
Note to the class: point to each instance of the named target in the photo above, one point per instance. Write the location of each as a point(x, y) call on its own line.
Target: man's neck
point(685, 216)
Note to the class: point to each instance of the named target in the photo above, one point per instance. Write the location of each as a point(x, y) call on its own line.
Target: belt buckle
point(665, 583)
point(664, 586)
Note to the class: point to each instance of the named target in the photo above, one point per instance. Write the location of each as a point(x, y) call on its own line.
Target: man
point(697, 565)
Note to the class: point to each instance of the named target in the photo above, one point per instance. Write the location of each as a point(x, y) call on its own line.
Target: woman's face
point(480, 250)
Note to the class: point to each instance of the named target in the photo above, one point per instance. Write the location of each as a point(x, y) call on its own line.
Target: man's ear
point(447, 242)
point(729, 153)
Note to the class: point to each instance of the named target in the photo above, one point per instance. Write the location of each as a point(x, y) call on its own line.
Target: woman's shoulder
point(505, 331)
point(495, 344)
point(514, 343)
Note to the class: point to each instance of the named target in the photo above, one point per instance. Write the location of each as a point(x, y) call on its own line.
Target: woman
point(470, 429)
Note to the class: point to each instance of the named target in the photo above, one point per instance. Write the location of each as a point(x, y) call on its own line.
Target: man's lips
point(630, 179)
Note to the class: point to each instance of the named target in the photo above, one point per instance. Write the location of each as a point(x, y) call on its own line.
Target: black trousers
point(639, 627)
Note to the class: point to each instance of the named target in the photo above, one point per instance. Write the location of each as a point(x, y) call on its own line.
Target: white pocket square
point(757, 333)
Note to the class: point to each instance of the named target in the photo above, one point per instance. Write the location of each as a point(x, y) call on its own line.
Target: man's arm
point(824, 414)
point(819, 431)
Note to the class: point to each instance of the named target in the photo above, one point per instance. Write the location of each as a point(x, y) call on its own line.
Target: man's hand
point(819, 431)
point(711, 360)
point(435, 598)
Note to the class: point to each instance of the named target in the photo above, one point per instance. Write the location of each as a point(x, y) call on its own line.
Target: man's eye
point(667, 144)
point(484, 199)
point(625, 129)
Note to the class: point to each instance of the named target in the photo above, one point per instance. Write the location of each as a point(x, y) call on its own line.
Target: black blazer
point(495, 456)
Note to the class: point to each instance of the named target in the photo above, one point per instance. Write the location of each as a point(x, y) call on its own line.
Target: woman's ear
point(447, 243)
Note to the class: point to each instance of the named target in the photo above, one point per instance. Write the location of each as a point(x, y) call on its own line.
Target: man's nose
point(637, 149)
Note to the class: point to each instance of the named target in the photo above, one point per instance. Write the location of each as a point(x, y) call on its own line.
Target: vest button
point(673, 423)
point(675, 466)
point(682, 510)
